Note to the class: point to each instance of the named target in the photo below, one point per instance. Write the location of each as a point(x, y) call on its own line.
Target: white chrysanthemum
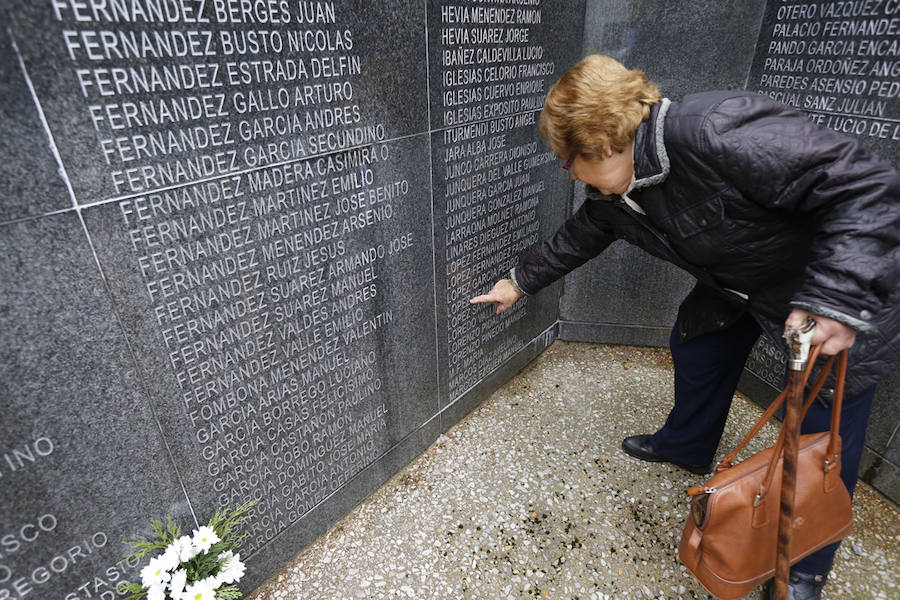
point(170, 558)
point(156, 592)
point(184, 546)
point(176, 586)
point(232, 569)
point(199, 591)
point(204, 538)
point(154, 573)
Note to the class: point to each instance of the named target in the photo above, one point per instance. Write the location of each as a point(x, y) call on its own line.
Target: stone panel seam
point(893, 435)
point(232, 174)
point(52, 213)
point(427, 132)
point(61, 169)
point(618, 325)
point(437, 351)
point(78, 211)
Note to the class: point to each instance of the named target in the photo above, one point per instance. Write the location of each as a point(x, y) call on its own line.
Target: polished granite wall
point(237, 242)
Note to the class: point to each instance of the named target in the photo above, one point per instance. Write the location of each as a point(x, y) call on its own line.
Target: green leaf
point(142, 549)
point(227, 526)
point(163, 535)
point(203, 565)
point(134, 591)
point(228, 592)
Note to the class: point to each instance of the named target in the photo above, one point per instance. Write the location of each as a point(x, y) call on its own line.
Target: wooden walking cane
point(798, 339)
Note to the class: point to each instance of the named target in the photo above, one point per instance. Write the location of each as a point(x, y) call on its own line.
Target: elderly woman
point(777, 219)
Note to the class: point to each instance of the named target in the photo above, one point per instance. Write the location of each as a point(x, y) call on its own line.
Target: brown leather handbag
point(730, 538)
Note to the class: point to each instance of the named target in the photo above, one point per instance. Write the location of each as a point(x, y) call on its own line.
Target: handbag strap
point(832, 455)
point(836, 406)
point(728, 461)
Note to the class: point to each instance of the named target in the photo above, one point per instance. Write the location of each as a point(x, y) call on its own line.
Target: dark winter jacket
point(767, 210)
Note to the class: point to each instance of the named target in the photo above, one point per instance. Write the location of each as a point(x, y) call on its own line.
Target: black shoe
point(639, 446)
point(801, 586)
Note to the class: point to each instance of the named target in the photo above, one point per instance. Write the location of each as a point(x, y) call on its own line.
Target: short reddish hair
point(595, 104)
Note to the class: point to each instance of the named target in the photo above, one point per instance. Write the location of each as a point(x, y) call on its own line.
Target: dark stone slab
point(257, 187)
point(884, 421)
point(30, 183)
point(484, 219)
point(684, 46)
point(834, 62)
point(884, 425)
point(496, 186)
point(882, 474)
point(758, 389)
point(624, 286)
point(219, 91)
point(613, 333)
point(492, 61)
point(83, 464)
point(298, 335)
point(278, 285)
point(892, 452)
point(767, 363)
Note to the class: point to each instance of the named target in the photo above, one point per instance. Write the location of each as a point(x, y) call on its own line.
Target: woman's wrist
point(515, 284)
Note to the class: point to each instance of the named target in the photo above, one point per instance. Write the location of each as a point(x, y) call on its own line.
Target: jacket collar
point(651, 162)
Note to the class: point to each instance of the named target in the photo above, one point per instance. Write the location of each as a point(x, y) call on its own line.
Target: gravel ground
point(532, 497)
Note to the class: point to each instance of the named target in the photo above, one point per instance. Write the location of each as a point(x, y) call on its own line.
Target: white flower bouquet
point(201, 566)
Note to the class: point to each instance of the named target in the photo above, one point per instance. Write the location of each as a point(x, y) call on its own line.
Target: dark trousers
point(707, 369)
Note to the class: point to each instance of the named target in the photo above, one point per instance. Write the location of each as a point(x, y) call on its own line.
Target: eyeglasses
point(568, 164)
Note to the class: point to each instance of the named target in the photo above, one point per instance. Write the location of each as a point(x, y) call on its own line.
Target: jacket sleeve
point(583, 236)
point(826, 183)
